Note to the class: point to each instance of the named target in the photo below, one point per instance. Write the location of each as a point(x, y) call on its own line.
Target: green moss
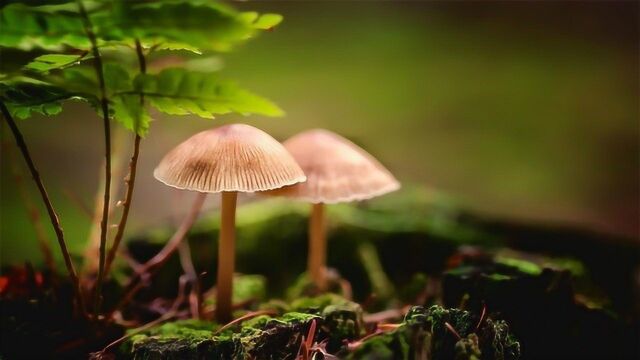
point(249, 287)
point(342, 319)
point(467, 348)
point(499, 277)
point(524, 266)
point(318, 303)
point(305, 287)
point(413, 290)
point(389, 346)
point(186, 339)
point(246, 288)
point(262, 337)
point(424, 334)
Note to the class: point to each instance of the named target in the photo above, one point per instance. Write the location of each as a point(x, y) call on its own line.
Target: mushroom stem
point(226, 256)
point(317, 246)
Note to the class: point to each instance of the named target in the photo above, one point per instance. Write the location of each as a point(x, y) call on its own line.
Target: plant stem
point(226, 256)
point(195, 300)
point(141, 60)
point(130, 182)
point(131, 178)
point(53, 216)
point(148, 268)
point(97, 62)
point(317, 246)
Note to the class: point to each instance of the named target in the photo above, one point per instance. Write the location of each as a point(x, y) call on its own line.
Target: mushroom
point(227, 160)
point(337, 171)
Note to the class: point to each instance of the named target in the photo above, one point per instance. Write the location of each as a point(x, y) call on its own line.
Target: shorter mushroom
point(337, 171)
point(227, 160)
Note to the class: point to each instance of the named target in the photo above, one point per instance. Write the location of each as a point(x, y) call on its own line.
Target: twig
point(484, 312)
point(166, 316)
point(53, 216)
point(88, 27)
point(131, 178)
point(244, 318)
point(383, 316)
point(130, 181)
point(91, 261)
point(452, 330)
point(148, 268)
point(187, 266)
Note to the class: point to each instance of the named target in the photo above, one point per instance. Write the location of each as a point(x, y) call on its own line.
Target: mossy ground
point(554, 298)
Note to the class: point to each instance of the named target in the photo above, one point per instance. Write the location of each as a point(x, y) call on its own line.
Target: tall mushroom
point(227, 160)
point(337, 171)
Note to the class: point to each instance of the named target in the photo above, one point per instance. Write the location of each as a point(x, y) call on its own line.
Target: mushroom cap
point(337, 170)
point(235, 157)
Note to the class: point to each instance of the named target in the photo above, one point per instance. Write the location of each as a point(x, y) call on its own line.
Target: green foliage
point(29, 28)
point(181, 24)
point(45, 63)
point(24, 96)
point(53, 40)
point(181, 92)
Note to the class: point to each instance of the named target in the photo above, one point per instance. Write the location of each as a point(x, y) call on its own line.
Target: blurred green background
point(524, 110)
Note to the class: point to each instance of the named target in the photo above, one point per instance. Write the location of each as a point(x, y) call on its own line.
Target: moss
point(499, 277)
point(318, 303)
point(467, 348)
point(497, 341)
point(303, 286)
point(273, 338)
point(276, 305)
point(415, 288)
point(424, 334)
point(262, 337)
point(249, 287)
point(342, 319)
point(388, 346)
point(185, 339)
point(246, 288)
point(524, 266)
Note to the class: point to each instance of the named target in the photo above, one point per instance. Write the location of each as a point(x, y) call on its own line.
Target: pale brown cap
point(233, 157)
point(337, 170)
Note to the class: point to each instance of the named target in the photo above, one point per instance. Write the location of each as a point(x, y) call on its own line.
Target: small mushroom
point(337, 171)
point(227, 160)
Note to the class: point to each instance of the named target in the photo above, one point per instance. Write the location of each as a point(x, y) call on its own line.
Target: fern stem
point(97, 62)
point(131, 178)
point(53, 216)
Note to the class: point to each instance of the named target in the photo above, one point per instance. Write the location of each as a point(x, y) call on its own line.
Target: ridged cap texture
point(337, 170)
point(235, 157)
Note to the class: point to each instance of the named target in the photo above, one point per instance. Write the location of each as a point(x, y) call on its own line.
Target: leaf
point(45, 63)
point(116, 78)
point(129, 111)
point(180, 92)
point(196, 25)
point(127, 108)
point(174, 46)
point(267, 21)
point(24, 96)
point(27, 28)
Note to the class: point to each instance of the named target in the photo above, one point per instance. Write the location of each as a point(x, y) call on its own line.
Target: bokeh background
point(525, 110)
